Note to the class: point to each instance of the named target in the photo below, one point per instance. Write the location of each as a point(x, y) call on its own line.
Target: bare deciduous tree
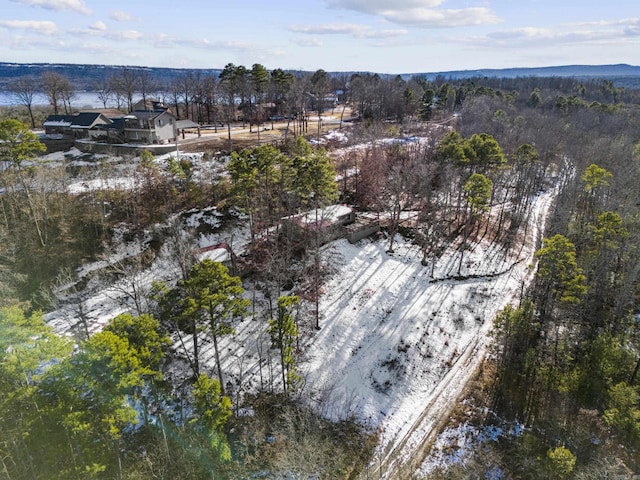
point(23, 90)
point(104, 90)
point(147, 84)
point(126, 84)
point(57, 88)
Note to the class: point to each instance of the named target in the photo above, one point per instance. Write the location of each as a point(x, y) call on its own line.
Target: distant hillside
point(621, 74)
point(605, 71)
point(86, 77)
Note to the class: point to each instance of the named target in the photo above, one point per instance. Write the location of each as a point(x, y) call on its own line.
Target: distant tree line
point(255, 95)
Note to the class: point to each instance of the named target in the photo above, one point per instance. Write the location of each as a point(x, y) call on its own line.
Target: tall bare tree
point(147, 84)
point(126, 83)
point(210, 93)
point(67, 97)
point(173, 95)
point(104, 90)
point(23, 90)
point(116, 92)
point(188, 84)
point(57, 88)
point(319, 87)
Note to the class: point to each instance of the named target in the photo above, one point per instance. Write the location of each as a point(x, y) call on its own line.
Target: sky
point(384, 36)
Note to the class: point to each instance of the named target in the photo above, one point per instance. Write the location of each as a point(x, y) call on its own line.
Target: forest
point(464, 160)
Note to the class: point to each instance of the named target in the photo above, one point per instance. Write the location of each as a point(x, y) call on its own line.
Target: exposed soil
point(271, 132)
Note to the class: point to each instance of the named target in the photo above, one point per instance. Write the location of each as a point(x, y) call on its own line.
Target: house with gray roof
point(152, 124)
point(149, 127)
point(77, 125)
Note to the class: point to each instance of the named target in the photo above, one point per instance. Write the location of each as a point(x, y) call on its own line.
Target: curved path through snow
point(398, 347)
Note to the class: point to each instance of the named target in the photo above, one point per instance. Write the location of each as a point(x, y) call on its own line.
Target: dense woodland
point(565, 359)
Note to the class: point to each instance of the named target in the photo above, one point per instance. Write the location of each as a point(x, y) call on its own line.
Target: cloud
point(98, 48)
point(419, 13)
point(309, 42)
point(99, 29)
point(125, 35)
point(354, 30)
point(35, 26)
point(60, 44)
point(431, 18)
point(632, 31)
point(58, 5)
point(120, 16)
point(613, 32)
point(165, 40)
point(223, 50)
point(169, 41)
point(374, 7)
point(98, 26)
point(630, 27)
point(22, 43)
point(386, 33)
point(607, 23)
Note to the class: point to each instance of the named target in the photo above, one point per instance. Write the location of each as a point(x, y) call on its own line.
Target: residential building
point(149, 127)
point(77, 125)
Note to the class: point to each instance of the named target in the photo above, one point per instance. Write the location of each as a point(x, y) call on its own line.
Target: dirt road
point(269, 132)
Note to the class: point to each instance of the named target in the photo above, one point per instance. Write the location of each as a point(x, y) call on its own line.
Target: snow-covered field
point(396, 345)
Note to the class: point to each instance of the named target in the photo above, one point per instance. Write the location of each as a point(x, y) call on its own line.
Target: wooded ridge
point(85, 77)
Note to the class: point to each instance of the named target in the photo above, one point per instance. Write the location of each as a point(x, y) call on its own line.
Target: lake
point(78, 101)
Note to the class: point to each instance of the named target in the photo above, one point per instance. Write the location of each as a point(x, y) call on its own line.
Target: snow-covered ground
point(92, 172)
point(396, 345)
point(458, 443)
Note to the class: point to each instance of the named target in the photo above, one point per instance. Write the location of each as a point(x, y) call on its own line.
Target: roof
point(83, 120)
point(220, 252)
point(323, 216)
point(116, 123)
point(146, 114)
point(87, 119)
point(217, 255)
point(151, 104)
point(107, 112)
point(57, 121)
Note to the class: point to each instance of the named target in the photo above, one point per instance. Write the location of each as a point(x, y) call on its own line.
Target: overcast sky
point(385, 36)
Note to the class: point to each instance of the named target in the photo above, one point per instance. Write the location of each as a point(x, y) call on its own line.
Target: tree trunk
point(41, 237)
point(196, 353)
point(217, 353)
point(284, 371)
point(632, 380)
point(465, 238)
point(393, 226)
point(33, 122)
point(344, 106)
point(229, 134)
point(317, 270)
point(286, 130)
